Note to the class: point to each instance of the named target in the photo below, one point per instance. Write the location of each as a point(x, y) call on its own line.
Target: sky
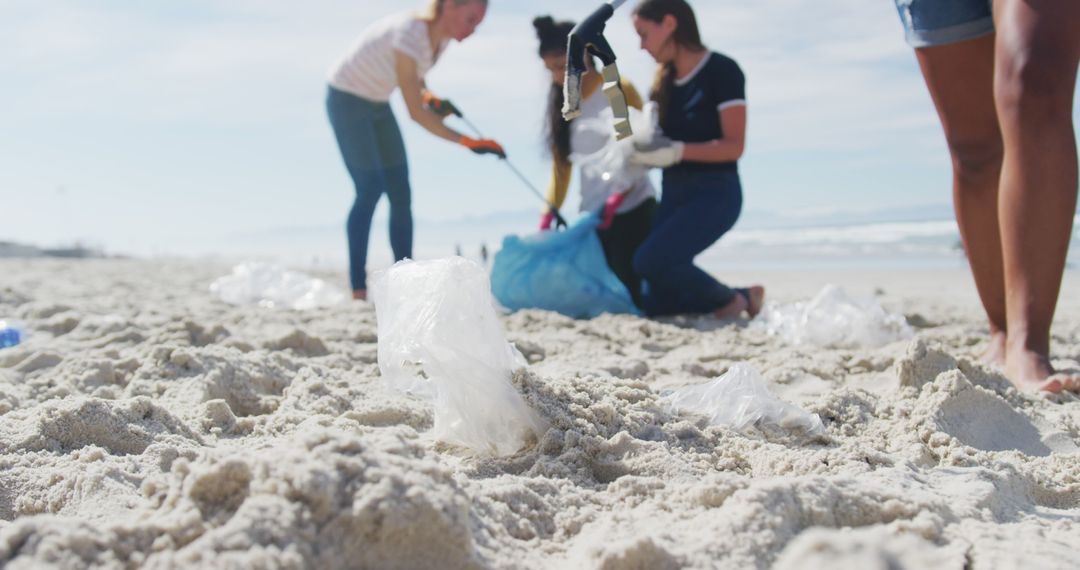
point(175, 127)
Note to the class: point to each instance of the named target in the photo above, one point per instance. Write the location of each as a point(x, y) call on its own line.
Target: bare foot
point(995, 351)
point(733, 309)
point(750, 303)
point(359, 294)
point(1031, 371)
point(757, 300)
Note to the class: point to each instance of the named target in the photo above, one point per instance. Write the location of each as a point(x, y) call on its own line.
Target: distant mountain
point(11, 249)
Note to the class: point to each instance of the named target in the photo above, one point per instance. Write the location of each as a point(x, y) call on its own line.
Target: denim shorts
point(939, 22)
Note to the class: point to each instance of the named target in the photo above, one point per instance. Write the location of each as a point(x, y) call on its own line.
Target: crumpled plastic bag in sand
point(834, 319)
point(270, 286)
point(740, 400)
point(440, 338)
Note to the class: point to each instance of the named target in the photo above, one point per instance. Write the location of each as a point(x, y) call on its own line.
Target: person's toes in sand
point(755, 299)
point(1031, 371)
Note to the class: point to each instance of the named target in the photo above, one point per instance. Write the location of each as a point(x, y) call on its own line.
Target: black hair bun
point(544, 25)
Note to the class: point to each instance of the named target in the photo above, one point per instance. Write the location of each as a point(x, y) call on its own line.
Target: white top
point(369, 69)
point(585, 141)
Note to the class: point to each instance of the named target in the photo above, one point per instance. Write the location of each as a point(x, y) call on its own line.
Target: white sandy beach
point(145, 423)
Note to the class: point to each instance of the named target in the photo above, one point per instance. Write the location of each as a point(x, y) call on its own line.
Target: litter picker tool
point(587, 38)
point(555, 211)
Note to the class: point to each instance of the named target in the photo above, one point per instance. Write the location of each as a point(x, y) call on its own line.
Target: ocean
point(759, 241)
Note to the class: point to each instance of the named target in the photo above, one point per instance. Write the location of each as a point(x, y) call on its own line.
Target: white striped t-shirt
point(369, 70)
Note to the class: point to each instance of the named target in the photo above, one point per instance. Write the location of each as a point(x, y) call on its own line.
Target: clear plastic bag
point(834, 319)
point(739, 399)
point(611, 163)
point(270, 286)
point(440, 338)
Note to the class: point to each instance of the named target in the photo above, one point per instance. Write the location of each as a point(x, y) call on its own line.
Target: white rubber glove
point(658, 152)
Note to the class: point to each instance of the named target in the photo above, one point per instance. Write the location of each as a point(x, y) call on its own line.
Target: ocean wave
point(878, 233)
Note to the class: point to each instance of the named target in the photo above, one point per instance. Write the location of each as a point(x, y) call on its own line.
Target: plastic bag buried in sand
point(270, 286)
point(834, 319)
point(440, 338)
point(739, 399)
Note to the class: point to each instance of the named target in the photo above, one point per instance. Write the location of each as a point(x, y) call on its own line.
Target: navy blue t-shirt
point(695, 102)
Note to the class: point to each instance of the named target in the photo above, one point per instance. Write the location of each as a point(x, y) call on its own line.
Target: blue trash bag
point(563, 271)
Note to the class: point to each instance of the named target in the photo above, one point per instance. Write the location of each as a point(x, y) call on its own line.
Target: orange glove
point(482, 146)
point(611, 206)
point(441, 107)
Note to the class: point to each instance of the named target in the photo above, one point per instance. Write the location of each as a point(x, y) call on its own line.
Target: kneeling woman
point(628, 212)
point(701, 103)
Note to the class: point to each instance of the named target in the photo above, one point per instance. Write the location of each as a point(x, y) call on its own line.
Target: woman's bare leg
point(960, 78)
point(1037, 51)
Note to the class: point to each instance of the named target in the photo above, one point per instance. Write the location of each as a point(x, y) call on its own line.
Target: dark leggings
point(622, 240)
point(374, 154)
point(696, 208)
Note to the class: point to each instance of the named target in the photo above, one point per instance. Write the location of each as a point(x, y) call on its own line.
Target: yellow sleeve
point(633, 98)
point(560, 182)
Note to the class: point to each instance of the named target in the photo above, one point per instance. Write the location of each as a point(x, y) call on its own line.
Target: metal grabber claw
point(587, 38)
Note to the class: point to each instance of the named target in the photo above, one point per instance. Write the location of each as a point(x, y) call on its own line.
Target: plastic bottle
point(11, 333)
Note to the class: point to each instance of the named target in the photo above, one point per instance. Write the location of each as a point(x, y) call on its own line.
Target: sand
point(148, 424)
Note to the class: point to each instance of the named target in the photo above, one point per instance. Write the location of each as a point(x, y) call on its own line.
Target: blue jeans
point(696, 208)
point(939, 22)
point(374, 153)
